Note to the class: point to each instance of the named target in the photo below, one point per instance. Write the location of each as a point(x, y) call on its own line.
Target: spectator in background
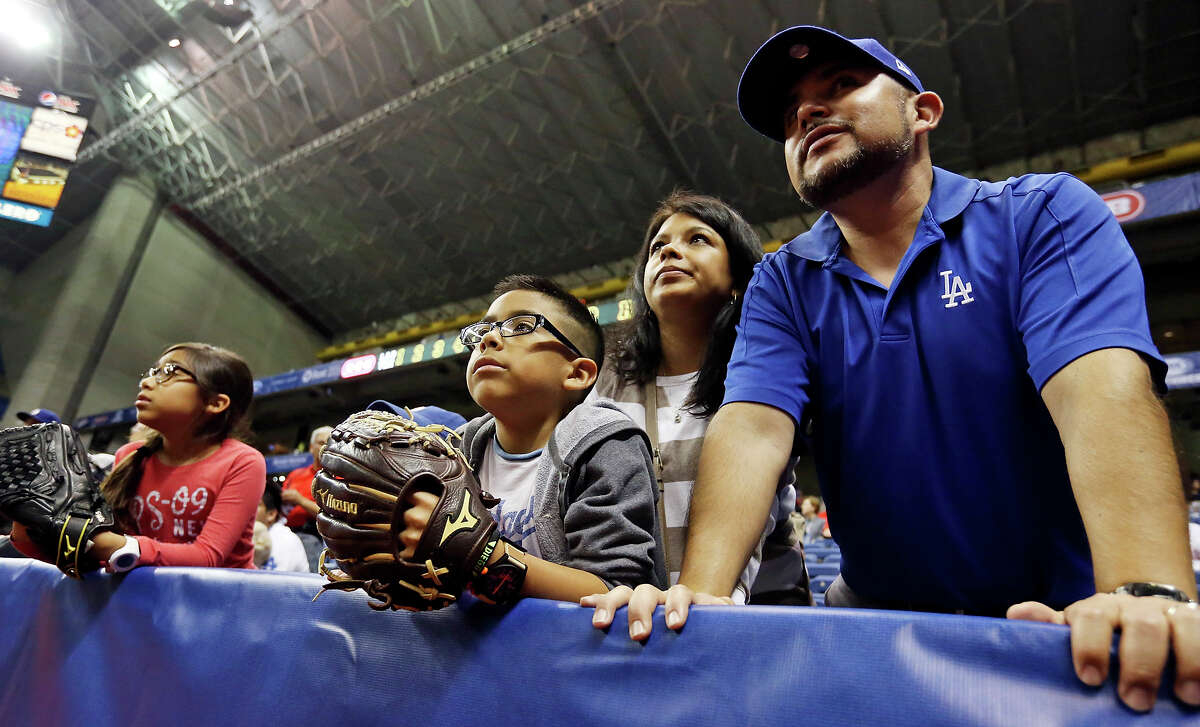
point(300, 509)
point(815, 522)
point(283, 549)
point(38, 416)
point(262, 544)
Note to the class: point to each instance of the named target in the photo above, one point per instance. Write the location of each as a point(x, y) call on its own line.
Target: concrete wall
point(183, 290)
point(55, 306)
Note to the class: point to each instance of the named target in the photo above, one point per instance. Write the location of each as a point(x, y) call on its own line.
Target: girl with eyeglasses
point(187, 495)
point(695, 261)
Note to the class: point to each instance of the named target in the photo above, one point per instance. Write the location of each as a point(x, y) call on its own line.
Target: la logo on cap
point(903, 68)
point(798, 51)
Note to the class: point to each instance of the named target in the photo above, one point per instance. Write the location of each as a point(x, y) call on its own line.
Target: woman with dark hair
point(187, 495)
point(695, 261)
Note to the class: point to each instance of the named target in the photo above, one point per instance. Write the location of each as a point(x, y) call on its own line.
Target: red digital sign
point(358, 366)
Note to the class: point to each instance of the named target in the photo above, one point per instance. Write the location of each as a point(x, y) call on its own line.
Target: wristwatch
point(125, 557)
point(500, 582)
point(1160, 590)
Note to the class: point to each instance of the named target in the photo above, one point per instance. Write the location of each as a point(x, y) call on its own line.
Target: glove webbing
point(376, 589)
point(426, 434)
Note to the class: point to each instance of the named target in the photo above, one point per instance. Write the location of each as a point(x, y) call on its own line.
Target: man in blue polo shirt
point(971, 355)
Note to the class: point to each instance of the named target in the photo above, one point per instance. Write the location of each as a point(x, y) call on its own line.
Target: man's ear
point(929, 108)
point(217, 404)
point(583, 374)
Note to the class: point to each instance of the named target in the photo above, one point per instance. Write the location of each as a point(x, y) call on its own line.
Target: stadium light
point(23, 28)
point(174, 42)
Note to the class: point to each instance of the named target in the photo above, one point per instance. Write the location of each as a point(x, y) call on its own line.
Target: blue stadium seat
point(824, 569)
point(818, 599)
point(820, 584)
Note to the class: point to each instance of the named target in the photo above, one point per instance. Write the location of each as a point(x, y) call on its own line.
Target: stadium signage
point(358, 366)
point(1183, 370)
point(20, 212)
point(430, 348)
point(1125, 205)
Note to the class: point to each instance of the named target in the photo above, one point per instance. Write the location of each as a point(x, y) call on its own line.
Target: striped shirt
point(680, 436)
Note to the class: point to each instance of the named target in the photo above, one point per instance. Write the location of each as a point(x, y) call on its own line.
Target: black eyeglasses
point(518, 325)
point(163, 374)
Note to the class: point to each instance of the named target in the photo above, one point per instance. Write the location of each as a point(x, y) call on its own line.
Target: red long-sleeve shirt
point(199, 514)
point(301, 481)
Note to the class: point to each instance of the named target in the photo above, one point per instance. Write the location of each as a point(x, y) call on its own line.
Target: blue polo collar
point(950, 195)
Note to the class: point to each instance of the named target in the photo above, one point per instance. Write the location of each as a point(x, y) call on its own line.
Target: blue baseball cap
point(41, 416)
point(423, 415)
point(762, 94)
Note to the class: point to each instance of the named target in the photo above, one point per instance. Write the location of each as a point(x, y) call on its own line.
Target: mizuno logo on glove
point(464, 520)
point(333, 503)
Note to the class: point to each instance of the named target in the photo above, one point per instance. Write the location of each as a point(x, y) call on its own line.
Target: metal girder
point(482, 62)
point(641, 101)
point(129, 126)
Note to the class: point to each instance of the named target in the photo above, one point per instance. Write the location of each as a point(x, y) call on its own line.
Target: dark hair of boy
point(582, 329)
point(272, 498)
point(637, 352)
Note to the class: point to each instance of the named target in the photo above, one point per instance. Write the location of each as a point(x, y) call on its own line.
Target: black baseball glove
point(47, 485)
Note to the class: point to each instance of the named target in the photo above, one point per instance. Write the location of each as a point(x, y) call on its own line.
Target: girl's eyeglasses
point(163, 374)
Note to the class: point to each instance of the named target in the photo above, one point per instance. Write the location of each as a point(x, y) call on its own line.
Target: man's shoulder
point(1049, 184)
point(813, 245)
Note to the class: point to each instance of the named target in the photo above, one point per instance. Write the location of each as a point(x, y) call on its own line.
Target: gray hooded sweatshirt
point(595, 504)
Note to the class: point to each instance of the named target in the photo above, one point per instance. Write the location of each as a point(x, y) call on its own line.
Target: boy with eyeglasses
point(577, 509)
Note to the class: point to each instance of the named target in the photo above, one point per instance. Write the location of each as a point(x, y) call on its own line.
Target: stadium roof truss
point(382, 159)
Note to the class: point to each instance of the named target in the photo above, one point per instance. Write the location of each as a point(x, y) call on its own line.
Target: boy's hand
point(291, 497)
point(407, 548)
point(642, 602)
point(416, 518)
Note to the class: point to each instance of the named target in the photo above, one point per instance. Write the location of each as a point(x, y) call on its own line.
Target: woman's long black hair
point(637, 351)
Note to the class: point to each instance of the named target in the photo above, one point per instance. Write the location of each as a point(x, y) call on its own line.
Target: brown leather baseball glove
point(370, 465)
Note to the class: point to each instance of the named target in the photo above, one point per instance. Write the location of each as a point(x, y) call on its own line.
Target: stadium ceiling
point(372, 158)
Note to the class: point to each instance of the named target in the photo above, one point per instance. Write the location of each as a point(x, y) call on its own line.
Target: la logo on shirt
point(178, 517)
point(956, 290)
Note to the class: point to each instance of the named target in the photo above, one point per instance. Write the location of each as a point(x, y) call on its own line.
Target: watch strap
point(126, 557)
point(500, 581)
point(485, 556)
point(1158, 590)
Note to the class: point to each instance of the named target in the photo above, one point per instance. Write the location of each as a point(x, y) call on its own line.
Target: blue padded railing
point(193, 646)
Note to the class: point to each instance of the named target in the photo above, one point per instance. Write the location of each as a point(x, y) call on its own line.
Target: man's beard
point(861, 167)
